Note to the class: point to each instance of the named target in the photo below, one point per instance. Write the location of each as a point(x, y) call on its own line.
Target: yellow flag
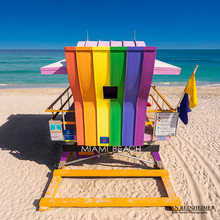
point(191, 91)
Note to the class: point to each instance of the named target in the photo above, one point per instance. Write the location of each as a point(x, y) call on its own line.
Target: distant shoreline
point(62, 49)
point(33, 86)
point(65, 85)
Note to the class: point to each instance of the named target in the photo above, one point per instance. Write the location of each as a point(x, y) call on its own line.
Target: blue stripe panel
point(132, 83)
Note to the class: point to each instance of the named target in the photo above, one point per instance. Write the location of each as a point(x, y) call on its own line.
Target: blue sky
point(168, 24)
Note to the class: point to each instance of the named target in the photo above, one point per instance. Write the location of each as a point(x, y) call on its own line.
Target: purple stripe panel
point(146, 79)
point(156, 156)
point(64, 156)
point(84, 156)
point(132, 83)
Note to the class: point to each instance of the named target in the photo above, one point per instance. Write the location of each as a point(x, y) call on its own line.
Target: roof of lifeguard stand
point(160, 68)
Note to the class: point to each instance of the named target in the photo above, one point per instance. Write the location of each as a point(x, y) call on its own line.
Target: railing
point(61, 103)
point(159, 103)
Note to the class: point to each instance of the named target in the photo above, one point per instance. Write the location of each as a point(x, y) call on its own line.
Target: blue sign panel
point(68, 134)
point(104, 140)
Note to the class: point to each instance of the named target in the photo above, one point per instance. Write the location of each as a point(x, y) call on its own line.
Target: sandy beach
point(28, 158)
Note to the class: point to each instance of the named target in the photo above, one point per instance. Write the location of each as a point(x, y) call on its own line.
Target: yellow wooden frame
point(50, 201)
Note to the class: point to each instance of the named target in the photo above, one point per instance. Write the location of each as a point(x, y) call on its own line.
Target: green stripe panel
point(117, 78)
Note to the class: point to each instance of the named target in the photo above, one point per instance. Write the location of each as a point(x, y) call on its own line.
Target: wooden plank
point(158, 160)
point(64, 159)
point(48, 110)
point(69, 122)
point(158, 105)
point(149, 122)
point(171, 108)
point(161, 111)
point(52, 189)
point(110, 202)
point(51, 192)
point(168, 186)
point(170, 191)
point(111, 173)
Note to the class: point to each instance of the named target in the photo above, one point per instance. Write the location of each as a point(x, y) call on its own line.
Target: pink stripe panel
point(140, 44)
point(128, 44)
point(91, 44)
point(166, 71)
point(116, 43)
point(104, 44)
point(81, 44)
point(53, 70)
point(157, 71)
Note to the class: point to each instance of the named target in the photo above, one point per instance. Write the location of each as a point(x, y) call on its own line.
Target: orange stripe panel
point(87, 84)
point(70, 54)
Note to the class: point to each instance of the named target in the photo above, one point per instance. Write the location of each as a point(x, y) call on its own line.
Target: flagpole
point(183, 91)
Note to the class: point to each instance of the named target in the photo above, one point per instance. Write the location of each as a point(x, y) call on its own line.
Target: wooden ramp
point(171, 200)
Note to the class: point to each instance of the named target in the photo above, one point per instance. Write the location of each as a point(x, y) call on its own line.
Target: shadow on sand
point(27, 138)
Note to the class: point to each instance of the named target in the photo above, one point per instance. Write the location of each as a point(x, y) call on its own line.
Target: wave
point(189, 60)
point(212, 84)
point(198, 83)
point(30, 86)
point(20, 71)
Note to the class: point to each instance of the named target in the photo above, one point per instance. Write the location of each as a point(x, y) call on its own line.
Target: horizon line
point(75, 46)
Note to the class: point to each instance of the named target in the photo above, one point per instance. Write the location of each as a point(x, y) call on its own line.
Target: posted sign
point(166, 123)
point(56, 131)
point(68, 134)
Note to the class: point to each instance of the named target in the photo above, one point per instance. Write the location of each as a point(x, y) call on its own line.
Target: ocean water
point(21, 68)
point(208, 72)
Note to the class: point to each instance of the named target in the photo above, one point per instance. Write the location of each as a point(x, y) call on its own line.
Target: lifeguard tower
point(110, 82)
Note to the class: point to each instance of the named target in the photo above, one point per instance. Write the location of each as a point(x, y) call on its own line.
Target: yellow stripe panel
point(101, 62)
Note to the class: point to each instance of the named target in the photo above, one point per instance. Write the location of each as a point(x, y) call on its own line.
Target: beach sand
point(28, 157)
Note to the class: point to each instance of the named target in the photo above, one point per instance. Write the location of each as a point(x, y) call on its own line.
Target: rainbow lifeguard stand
point(110, 83)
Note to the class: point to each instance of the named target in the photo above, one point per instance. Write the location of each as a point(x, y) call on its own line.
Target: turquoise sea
point(21, 68)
